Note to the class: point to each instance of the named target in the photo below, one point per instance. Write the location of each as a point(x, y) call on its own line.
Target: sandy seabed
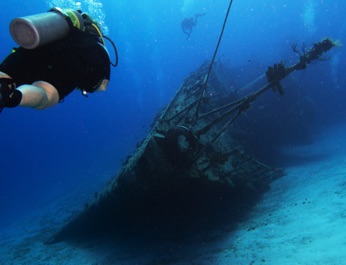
point(301, 220)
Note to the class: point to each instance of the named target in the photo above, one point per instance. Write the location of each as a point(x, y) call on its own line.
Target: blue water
point(80, 144)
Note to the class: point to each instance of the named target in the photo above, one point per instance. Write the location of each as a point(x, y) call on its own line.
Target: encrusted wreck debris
point(189, 171)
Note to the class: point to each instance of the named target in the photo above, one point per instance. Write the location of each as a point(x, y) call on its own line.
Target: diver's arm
point(39, 95)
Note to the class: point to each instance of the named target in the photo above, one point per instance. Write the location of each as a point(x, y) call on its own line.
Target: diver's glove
point(9, 96)
point(274, 75)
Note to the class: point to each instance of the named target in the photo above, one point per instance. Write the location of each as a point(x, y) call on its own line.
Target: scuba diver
point(53, 61)
point(188, 23)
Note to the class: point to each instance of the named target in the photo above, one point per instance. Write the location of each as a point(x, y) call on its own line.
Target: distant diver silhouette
point(188, 23)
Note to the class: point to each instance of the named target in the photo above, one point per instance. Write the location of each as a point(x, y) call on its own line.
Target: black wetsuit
point(78, 61)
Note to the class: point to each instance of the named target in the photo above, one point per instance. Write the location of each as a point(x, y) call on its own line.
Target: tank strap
point(73, 17)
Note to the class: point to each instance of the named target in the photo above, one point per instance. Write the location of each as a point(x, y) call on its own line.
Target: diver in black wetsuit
point(41, 75)
point(188, 23)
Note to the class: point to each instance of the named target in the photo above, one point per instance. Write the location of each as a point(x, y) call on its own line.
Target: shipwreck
point(189, 171)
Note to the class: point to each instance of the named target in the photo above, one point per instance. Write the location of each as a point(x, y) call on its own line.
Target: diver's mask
point(100, 87)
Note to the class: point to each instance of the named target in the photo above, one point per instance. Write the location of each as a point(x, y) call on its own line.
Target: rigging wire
point(212, 61)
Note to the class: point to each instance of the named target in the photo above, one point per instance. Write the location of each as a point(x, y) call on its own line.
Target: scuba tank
point(33, 31)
